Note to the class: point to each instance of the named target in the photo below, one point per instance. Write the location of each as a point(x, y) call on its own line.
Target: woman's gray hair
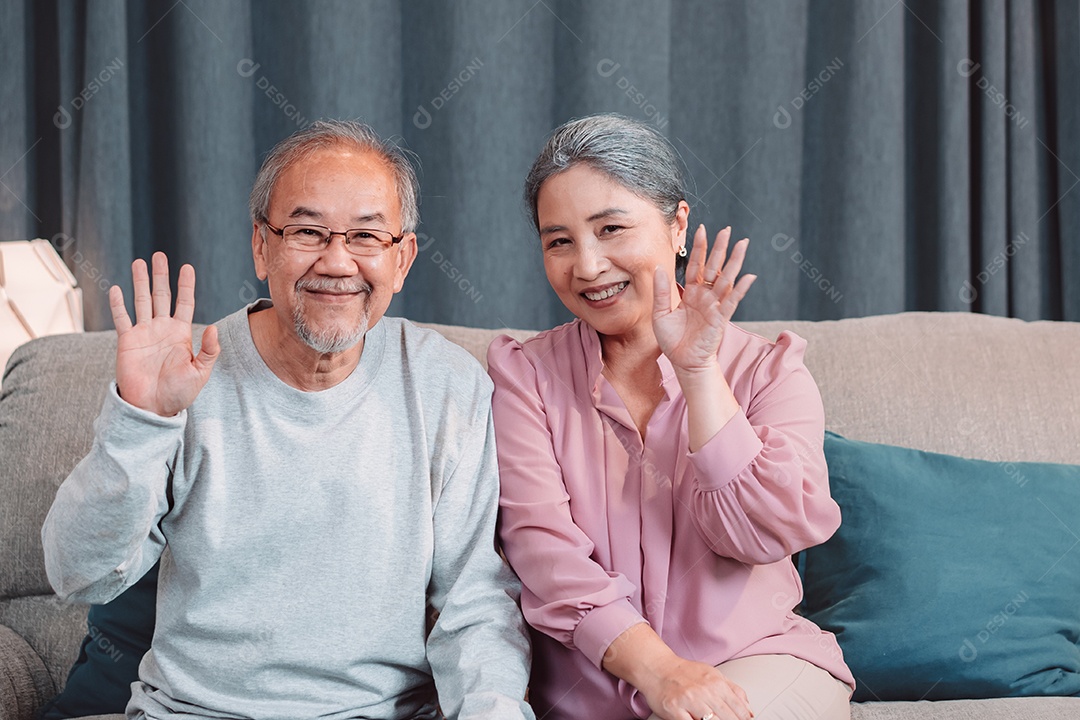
point(329, 133)
point(631, 153)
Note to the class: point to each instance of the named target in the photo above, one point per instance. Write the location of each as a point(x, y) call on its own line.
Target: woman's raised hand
point(690, 334)
point(156, 369)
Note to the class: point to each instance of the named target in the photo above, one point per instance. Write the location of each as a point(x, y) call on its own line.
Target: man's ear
point(259, 251)
point(406, 254)
point(678, 227)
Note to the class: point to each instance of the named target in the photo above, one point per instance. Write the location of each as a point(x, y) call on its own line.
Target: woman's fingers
point(716, 257)
point(733, 298)
point(726, 278)
point(696, 262)
point(661, 293)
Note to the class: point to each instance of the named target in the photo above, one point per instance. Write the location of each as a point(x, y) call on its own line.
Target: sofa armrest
point(25, 684)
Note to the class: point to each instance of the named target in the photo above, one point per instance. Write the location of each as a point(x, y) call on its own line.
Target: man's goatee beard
point(330, 340)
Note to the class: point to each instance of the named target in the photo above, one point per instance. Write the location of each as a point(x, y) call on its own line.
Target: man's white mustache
point(333, 286)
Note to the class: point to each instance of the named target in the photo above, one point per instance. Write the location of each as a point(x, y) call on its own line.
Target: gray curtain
point(882, 156)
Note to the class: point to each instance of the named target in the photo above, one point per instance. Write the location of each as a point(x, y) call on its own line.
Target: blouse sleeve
point(761, 489)
point(565, 593)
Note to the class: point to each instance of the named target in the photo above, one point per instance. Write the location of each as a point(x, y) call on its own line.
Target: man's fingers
point(162, 294)
point(144, 308)
point(185, 294)
point(209, 350)
point(121, 319)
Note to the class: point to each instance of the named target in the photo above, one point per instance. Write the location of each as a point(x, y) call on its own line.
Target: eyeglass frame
point(280, 232)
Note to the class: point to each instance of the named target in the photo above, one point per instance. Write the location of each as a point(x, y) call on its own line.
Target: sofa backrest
point(978, 386)
point(971, 385)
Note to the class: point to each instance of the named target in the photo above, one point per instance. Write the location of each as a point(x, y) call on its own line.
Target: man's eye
point(308, 232)
point(365, 236)
point(608, 229)
point(557, 242)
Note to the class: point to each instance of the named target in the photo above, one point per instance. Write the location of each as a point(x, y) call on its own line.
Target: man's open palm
point(156, 369)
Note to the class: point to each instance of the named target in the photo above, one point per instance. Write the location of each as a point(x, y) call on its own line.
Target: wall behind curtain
point(882, 156)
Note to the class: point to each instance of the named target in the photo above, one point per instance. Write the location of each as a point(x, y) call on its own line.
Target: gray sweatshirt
point(307, 539)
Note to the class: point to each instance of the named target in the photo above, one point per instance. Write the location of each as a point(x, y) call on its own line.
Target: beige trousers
point(782, 687)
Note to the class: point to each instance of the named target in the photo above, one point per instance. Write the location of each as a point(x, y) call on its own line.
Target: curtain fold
point(881, 156)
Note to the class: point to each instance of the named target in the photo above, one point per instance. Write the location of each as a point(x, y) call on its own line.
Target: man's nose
point(336, 259)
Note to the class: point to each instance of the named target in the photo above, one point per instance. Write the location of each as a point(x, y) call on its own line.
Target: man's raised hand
point(156, 369)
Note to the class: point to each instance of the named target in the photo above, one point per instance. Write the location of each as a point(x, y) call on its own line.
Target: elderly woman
point(659, 464)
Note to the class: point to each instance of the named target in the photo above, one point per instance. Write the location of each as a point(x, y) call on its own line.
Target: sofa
point(962, 384)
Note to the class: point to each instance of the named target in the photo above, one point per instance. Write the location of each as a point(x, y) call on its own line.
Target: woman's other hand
point(674, 687)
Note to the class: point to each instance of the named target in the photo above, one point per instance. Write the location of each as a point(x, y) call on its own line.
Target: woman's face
point(601, 245)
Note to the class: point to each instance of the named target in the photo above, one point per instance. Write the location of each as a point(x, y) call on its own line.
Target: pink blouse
point(607, 531)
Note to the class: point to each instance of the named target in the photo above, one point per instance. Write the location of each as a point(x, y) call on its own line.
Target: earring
point(682, 251)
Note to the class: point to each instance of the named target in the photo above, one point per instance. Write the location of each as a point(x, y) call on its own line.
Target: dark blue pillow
point(949, 578)
point(119, 635)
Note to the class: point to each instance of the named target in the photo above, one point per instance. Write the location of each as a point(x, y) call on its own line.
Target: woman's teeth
point(613, 290)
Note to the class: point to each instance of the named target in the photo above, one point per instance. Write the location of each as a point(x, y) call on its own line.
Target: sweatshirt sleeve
point(566, 594)
point(102, 532)
point(761, 484)
point(478, 648)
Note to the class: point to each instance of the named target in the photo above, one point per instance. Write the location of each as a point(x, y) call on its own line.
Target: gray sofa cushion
point(24, 684)
point(1051, 708)
point(51, 627)
point(51, 393)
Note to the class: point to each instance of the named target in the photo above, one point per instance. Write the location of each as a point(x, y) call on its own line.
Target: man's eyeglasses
point(314, 238)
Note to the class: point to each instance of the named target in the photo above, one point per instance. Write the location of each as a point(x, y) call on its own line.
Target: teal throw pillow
point(949, 578)
point(119, 634)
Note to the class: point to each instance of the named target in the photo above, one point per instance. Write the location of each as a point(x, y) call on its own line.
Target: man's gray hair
point(329, 133)
point(631, 153)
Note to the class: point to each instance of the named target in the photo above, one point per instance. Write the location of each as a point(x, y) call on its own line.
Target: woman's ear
point(679, 225)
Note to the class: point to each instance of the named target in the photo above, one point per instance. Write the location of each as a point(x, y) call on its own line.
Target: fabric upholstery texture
point(50, 391)
point(969, 385)
point(119, 634)
point(52, 628)
point(24, 683)
point(949, 578)
point(1052, 708)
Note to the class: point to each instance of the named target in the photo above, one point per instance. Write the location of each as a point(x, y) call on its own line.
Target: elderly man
point(318, 481)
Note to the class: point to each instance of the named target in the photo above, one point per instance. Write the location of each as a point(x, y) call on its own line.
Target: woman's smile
point(598, 296)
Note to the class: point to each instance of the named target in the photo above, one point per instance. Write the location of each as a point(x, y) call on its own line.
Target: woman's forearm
point(710, 403)
point(638, 656)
